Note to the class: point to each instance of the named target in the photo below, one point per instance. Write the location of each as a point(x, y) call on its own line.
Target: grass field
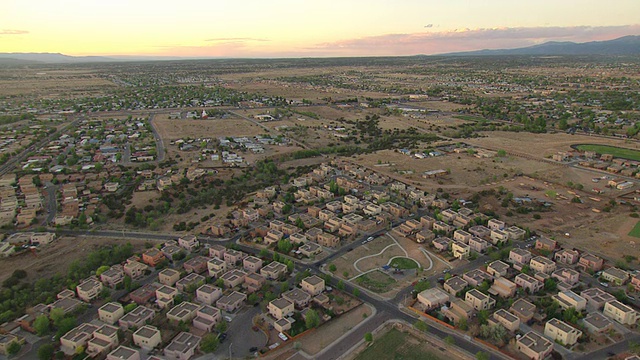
point(635, 232)
point(618, 152)
point(404, 263)
point(469, 118)
point(396, 345)
point(376, 281)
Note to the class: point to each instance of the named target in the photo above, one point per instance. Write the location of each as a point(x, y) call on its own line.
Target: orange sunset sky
point(284, 28)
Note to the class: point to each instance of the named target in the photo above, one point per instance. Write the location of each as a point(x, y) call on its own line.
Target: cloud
point(429, 26)
point(468, 39)
point(13, 32)
point(239, 39)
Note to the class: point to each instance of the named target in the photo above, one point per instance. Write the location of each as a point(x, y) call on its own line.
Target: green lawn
point(396, 345)
point(618, 152)
point(376, 281)
point(635, 232)
point(404, 263)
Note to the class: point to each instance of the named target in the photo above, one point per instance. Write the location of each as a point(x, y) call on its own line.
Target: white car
point(283, 336)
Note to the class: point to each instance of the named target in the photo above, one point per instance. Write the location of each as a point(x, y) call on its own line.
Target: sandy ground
point(328, 333)
point(57, 256)
point(180, 129)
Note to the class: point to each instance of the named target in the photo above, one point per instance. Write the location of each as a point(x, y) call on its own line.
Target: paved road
point(241, 337)
point(50, 203)
point(159, 143)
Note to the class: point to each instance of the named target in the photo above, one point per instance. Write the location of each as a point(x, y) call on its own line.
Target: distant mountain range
point(627, 45)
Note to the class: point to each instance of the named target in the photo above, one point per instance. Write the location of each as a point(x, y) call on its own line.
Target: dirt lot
point(51, 83)
point(179, 129)
point(542, 145)
point(57, 256)
point(331, 331)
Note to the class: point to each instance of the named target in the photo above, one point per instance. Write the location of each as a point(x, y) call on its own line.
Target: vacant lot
point(399, 345)
point(635, 232)
point(618, 152)
point(179, 129)
point(541, 145)
point(376, 281)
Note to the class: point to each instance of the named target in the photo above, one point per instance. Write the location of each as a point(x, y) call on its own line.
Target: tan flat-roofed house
point(478, 300)
point(298, 297)
point(206, 318)
point(89, 289)
point(568, 299)
point(566, 275)
point(124, 353)
point(78, 336)
point(136, 318)
point(503, 287)
point(313, 285)
point(506, 319)
point(182, 347)
point(519, 256)
point(432, 298)
point(460, 250)
point(113, 276)
point(528, 283)
point(231, 302)
point(560, 331)
point(252, 264)
point(498, 268)
point(542, 265)
point(190, 281)
point(196, 265)
point(111, 312)
point(273, 270)
point(147, 337)
point(567, 256)
point(280, 308)
point(165, 295)
point(168, 277)
point(523, 310)
point(208, 294)
point(615, 276)
point(216, 267)
point(620, 313)
point(596, 297)
point(185, 312)
point(153, 257)
point(104, 339)
point(544, 243)
point(135, 269)
point(534, 346)
point(476, 277)
point(590, 262)
point(455, 285)
point(253, 282)
point(597, 323)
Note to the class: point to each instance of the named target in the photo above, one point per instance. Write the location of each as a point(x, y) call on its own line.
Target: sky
point(304, 28)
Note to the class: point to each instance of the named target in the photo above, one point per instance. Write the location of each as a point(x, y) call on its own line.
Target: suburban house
point(253, 282)
point(192, 280)
point(113, 276)
point(110, 312)
point(147, 337)
point(188, 242)
point(231, 302)
point(124, 353)
point(104, 340)
point(135, 269)
point(165, 295)
point(206, 318)
point(458, 310)
point(560, 331)
point(77, 337)
point(544, 243)
point(498, 268)
point(523, 310)
point(460, 250)
point(432, 298)
point(620, 313)
point(208, 294)
point(478, 300)
point(454, 285)
point(475, 277)
point(542, 265)
point(233, 278)
point(596, 297)
point(89, 289)
point(528, 283)
point(534, 346)
point(185, 312)
point(566, 275)
point(196, 265)
point(273, 270)
point(182, 347)
point(280, 308)
point(168, 277)
point(298, 297)
point(590, 262)
point(506, 319)
point(597, 323)
point(519, 257)
point(153, 257)
point(568, 299)
point(216, 267)
point(503, 287)
point(567, 256)
point(136, 318)
point(313, 285)
point(252, 264)
point(615, 276)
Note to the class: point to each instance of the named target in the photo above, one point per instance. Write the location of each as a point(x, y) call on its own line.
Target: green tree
point(66, 325)
point(368, 337)
point(45, 352)
point(356, 292)
point(501, 153)
point(312, 319)
point(480, 355)
point(449, 340)
point(101, 269)
point(340, 285)
point(222, 326)
point(56, 315)
point(421, 325)
point(332, 268)
point(41, 324)
point(13, 348)
point(209, 343)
